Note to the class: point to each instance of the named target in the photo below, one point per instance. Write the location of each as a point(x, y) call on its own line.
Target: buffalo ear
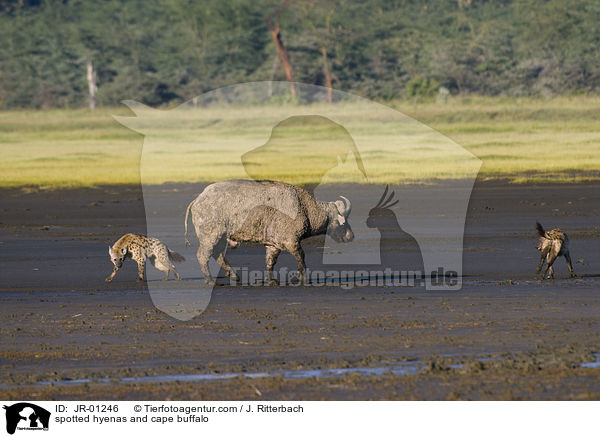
point(343, 206)
point(340, 206)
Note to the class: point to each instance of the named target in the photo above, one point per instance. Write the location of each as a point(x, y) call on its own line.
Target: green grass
point(524, 140)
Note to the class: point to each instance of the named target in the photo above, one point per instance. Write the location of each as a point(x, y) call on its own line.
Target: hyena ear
point(123, 250)
point(109, 249)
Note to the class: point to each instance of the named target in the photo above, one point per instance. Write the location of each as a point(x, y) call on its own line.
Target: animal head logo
point(353, 148)
point(26, 416)
point(314, 143)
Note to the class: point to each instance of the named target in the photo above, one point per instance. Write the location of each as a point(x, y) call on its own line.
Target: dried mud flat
point(65, 334)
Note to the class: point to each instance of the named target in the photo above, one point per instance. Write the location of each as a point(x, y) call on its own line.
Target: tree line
point(167, 51)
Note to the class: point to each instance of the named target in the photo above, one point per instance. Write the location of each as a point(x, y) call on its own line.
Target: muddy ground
point(66, 334)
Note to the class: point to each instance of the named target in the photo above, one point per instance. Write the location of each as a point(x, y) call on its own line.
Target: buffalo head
point(339, 228)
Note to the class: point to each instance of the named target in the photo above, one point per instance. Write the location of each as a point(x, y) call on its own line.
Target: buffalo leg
point(227, 267)
point(210, 243)
point(272, 254)
point(298, 253)
point(203, 258)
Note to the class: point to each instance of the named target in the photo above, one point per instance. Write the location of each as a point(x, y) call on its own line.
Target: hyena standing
point(140, 247)
point(552, 244)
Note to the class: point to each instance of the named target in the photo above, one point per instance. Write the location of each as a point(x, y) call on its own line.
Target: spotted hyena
point(140, 247)
point(552, 244)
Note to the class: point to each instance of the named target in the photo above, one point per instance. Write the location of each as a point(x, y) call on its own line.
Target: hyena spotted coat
point(140, 247)
point(552, 244)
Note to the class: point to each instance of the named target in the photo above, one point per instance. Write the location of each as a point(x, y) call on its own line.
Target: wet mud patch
point(505, 335)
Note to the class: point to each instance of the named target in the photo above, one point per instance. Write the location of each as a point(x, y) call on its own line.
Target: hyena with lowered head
point(140, 247)
point(552, 244)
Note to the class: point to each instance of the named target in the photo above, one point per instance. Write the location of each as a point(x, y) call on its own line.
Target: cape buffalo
point(275, 214)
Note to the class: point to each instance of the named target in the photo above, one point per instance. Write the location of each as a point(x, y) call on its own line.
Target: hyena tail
point(543, 237)
point(178, 258)
point(540, 230)
point(187, 213)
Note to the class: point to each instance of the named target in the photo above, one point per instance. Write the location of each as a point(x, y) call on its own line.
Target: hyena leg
point(164, 264)
point(112, 275)
point(164, 268)
point(227, 267)
point(272, 254)
point(298, 253)
point(141, 264)
point(541, 264)
point(570, 264)
point(549, 272)
point(177, 277)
